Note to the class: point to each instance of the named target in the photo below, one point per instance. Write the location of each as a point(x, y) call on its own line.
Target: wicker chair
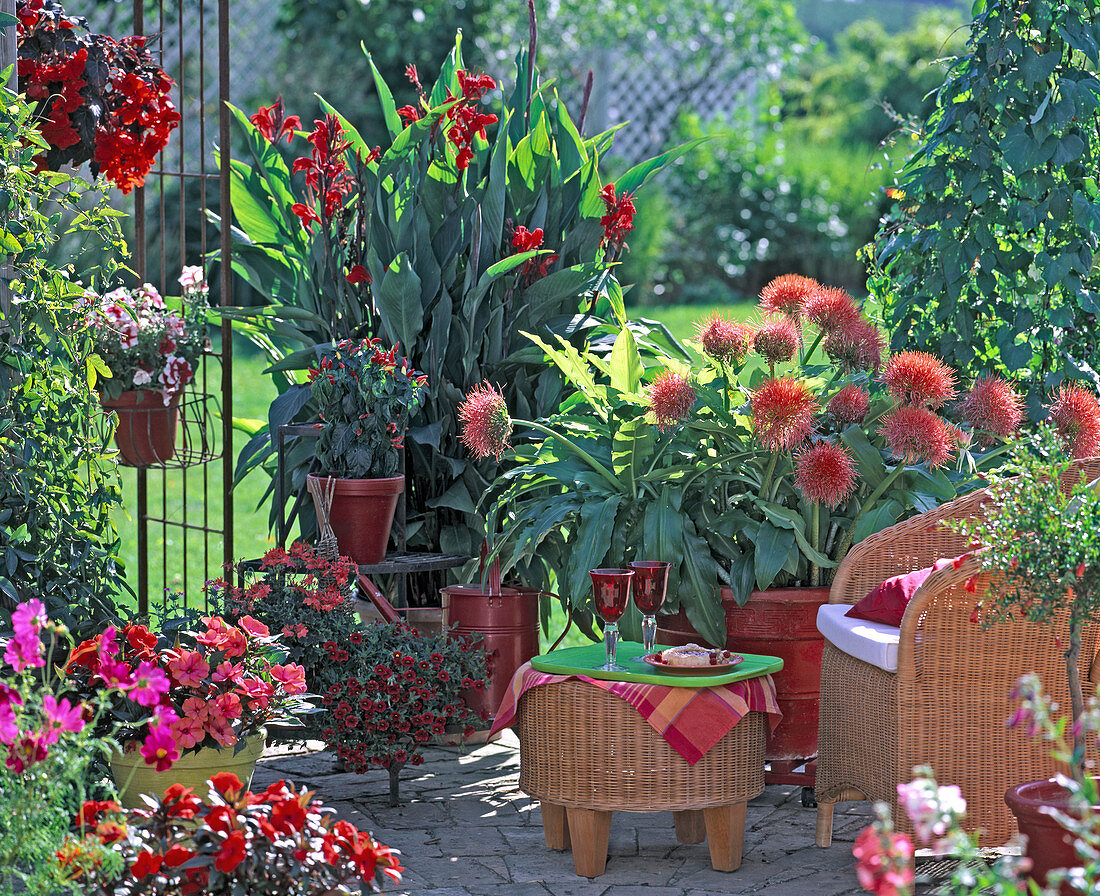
point(947, 703)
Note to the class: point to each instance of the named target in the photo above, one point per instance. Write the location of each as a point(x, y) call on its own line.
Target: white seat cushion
point(871, 642)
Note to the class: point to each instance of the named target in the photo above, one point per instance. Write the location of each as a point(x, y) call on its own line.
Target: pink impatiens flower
point(227, 671)
point(188, 732)
point(254, 627)
point(189, 669)
point(291, 676)
point(883, 862)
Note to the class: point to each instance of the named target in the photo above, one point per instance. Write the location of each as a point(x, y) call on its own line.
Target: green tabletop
point(584, 660)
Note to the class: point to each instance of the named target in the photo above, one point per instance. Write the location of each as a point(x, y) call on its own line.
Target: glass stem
point(611, 642)
point(649, 634)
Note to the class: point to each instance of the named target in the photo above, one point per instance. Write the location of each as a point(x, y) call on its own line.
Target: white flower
point(142, 377)
point(193, 281)
point(934, 810)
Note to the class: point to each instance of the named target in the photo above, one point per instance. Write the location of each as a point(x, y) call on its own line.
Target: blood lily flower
point(777, 339)
point(783, 413)
point(671, 398)
point(787, 293)
point(830, 308)
point(855, 345)
point(916, 435)
point(1076, 415)
point(993, 407)
point(726, 341)
point(825, 473)
point(917, 378)
point(849, 405)
point(486, 424)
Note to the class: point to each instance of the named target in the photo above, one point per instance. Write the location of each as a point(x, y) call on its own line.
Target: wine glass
point(650, 581)
point(610, 595)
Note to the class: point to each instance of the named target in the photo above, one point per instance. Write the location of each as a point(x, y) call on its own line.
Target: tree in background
point(989, 256)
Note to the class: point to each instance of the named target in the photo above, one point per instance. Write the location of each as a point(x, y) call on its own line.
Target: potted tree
point(1041, 539)
point(365, 397)
point(753, 473)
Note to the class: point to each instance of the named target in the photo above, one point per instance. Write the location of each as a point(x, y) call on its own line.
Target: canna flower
point(1076, 414)
point(787, 293)
point(619, 218)
point(724, 340)
point(825, 473)
point(830, 308)
point(783, 413)
point(855, 346)
point(993, 407)
point(849, 405)
point(486, 423)
point(917, 378)
point(671, 396)
point(778, 338)
point(916, 435)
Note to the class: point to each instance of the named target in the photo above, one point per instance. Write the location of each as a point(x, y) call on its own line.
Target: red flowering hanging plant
point(99, 100)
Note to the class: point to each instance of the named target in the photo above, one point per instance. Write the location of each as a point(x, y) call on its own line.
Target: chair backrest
point(920, 541)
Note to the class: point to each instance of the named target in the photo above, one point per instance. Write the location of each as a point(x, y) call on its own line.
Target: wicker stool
point(586, 753)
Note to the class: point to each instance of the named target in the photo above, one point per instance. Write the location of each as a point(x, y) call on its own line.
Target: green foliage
point(365, 401)
point(989, 258)
point(446, 280)
point(57, 482)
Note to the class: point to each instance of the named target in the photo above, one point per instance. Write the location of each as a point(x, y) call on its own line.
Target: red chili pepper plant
point(385, 689)
point(99, 100)
point(224, 845)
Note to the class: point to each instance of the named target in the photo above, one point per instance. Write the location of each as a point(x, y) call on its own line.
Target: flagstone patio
point(465, 829)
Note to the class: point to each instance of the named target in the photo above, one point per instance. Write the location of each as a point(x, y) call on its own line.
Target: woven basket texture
point(582, 747)
point(948, 703)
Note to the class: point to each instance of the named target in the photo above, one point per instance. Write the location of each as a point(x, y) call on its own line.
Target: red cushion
point(887, 603)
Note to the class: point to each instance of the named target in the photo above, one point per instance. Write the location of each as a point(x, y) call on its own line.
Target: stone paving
point(465, 829)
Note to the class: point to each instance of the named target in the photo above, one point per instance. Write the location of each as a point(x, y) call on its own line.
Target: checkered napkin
point(692, 720)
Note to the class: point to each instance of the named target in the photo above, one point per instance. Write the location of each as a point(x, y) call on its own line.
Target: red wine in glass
point(650, 583)
point(610, 596)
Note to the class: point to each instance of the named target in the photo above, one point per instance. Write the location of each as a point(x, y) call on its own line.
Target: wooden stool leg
point(690, 827)
point(589, 831)
point(555, 826)
point(824, 835)
point(725, 835)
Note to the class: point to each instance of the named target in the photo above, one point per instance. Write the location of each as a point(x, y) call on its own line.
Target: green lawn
point(192, 557)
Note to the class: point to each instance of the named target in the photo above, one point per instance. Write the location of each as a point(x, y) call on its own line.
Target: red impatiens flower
point(232, 852)
point(671, 396)
point(725, 341)
point(486, 423)
point(855, 346)
point(850, 405)
point(825, 473)
point(1076, 414)
point(786, 294)
point(273, 122)
point(619, 219)
point(917, 378)
point(993, 407)
point(777, 339)
point(830, 308)
point(915, 434)
point(783, 413)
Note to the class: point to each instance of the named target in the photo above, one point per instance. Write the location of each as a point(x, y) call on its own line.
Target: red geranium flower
point(850, 405)
point(993, 407)
point(724, 340)
point(1076, 414)
point(671, 396)
point(916, 434)
point(917, 378)
point(778, 339)
point(786, 294)
point(830, 308)
point(825, 473)
point(855, 345)
point(146, 863)
point(783, 413)
point(486, 423)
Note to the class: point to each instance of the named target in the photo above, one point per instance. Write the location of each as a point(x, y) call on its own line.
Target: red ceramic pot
point(778, 622)
point(146, 432)
point(1049, 845)
point(362, 515)
point(509, 623)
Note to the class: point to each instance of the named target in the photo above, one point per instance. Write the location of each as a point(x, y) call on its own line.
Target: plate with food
point(692, 659)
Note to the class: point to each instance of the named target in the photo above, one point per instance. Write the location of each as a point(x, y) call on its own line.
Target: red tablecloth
point(692, 720)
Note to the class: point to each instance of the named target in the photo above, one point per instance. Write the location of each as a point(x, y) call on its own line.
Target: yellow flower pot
point(134, 778)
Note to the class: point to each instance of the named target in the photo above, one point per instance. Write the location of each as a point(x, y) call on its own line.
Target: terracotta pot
point(362, 514)
point(1049, 845)
point(146, 433)
point(778, 622)
point(509, 622)
point(134, 778)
